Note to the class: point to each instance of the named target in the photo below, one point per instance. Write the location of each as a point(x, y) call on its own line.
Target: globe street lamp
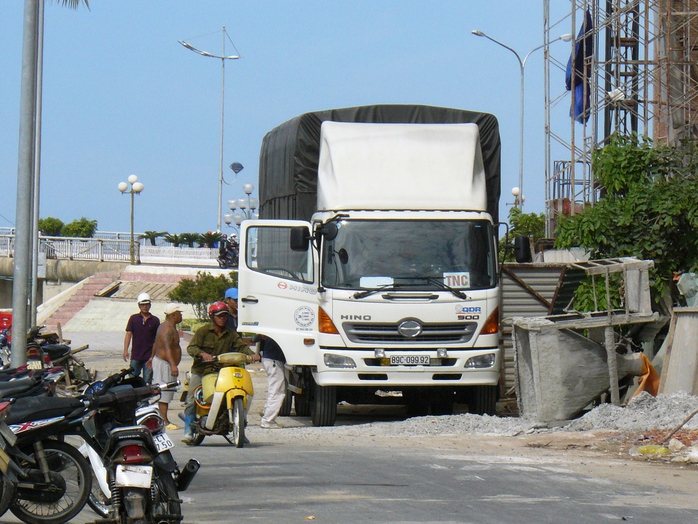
point(247, 205)
point(135, 188)
point(522, 65)
point(222, 57)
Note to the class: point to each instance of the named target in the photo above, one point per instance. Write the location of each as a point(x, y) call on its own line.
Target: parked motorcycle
point(222, 400)
point(137, 476)
point(53, 479)
point(59, 353)
point(5, 346)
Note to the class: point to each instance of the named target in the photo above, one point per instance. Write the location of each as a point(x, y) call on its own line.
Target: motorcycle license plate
point(409, 360)
point(35, 364)
point(129, 476)
point(162, 442)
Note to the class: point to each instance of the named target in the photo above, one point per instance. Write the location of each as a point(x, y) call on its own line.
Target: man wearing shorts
point(167, 355)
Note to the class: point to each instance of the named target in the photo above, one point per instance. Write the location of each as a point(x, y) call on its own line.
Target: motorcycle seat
point(8, 389)
point(28, 409)
point(56, 351)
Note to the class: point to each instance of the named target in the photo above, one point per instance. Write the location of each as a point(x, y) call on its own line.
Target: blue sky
point(122, 97)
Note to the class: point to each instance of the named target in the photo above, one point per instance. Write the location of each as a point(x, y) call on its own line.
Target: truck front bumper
point(471, 367)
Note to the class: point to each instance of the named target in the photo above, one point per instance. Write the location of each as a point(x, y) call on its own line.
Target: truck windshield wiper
point(373, 291)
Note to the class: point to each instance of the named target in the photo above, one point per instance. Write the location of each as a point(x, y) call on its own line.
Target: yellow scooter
point(223, 399)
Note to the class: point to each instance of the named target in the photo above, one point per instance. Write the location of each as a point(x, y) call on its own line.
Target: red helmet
point(217, 307)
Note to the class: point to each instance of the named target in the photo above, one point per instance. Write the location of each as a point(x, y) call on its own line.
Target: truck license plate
point(409, 360)
point(162, 442)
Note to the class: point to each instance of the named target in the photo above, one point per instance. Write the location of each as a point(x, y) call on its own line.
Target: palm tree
point(189, 238)
point(175, 240)
point(152, 236)
point(208, 239)
point(73, 4)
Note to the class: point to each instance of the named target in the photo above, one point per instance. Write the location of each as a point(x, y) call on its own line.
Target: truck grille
point(457, 332)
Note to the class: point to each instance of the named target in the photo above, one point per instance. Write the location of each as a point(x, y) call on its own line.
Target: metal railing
point(106, 249)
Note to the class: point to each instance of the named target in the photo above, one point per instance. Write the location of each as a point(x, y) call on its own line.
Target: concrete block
point(559, 371)
point(680, 371)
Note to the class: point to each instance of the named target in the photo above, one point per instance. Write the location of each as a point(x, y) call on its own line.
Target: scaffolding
point(636, 66)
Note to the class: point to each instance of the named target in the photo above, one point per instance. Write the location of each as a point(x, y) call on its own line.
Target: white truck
point(374, 262)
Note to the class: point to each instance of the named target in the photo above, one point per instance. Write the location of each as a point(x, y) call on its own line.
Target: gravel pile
point(643, 413)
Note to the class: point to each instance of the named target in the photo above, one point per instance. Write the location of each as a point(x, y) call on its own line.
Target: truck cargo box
point(288, 167)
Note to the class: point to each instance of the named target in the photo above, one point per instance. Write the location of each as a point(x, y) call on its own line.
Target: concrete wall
point(60, 275)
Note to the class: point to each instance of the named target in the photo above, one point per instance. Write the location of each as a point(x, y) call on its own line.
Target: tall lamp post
point(522, 65)
point(222, 57)
point(135, 188)
point(247, 205)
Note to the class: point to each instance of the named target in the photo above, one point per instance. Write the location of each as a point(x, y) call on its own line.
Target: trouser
point(139, 365)
point(276, 388)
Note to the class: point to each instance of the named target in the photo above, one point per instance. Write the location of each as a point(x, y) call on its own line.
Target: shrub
point(202, 291)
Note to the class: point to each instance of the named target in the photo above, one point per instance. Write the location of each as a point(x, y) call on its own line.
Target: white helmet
point(143, 298)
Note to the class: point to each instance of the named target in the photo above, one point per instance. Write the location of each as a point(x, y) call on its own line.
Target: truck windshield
point(416, 255)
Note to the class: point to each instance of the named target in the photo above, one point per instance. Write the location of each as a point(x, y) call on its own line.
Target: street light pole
point(522, 65)
point(135, 188)
point(222, 57)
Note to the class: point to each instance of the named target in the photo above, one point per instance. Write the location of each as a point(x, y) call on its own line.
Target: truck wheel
point(323, 405)
point(285, 410)
point(305, 382)
point(484, 400)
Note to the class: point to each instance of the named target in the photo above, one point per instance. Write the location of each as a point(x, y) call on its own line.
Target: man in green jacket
point(210, 341)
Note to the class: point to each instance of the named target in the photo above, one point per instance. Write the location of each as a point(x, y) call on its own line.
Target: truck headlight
point(338, 361)
point(481, 361)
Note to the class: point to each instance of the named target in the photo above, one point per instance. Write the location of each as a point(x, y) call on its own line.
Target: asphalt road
point(283, 477)
point(348, 482)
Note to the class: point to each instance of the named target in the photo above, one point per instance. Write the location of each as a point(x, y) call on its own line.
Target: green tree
point(648, 207)
point(152, 236)
point(189, 238)
point(209, 239)
point(202, 291)
point(528, 224)
point(83, 228)
point(51, 226)
point(173, 239)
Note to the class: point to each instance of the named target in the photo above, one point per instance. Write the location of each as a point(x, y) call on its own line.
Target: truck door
point(277, 287)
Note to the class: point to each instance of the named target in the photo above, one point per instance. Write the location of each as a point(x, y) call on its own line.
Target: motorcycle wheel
point(8, 493)
point(238, 423)
point(97, 500)
point(67, 465)
point(167, 506)
point(198, 437)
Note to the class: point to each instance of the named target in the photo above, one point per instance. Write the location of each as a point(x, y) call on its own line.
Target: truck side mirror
point(522, 249)
point(329, 230)
point(300, 238)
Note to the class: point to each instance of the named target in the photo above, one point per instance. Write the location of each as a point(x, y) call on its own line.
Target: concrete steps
point(81, 298)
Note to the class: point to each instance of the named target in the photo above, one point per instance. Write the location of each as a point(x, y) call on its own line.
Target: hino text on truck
point(374, 262)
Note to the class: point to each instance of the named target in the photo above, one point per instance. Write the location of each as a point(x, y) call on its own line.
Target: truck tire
point(484, 400)
point(323, 405)
point(304, 381)
point(286, 405)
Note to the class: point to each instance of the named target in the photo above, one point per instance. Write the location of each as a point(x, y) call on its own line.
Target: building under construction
point(632, 69)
